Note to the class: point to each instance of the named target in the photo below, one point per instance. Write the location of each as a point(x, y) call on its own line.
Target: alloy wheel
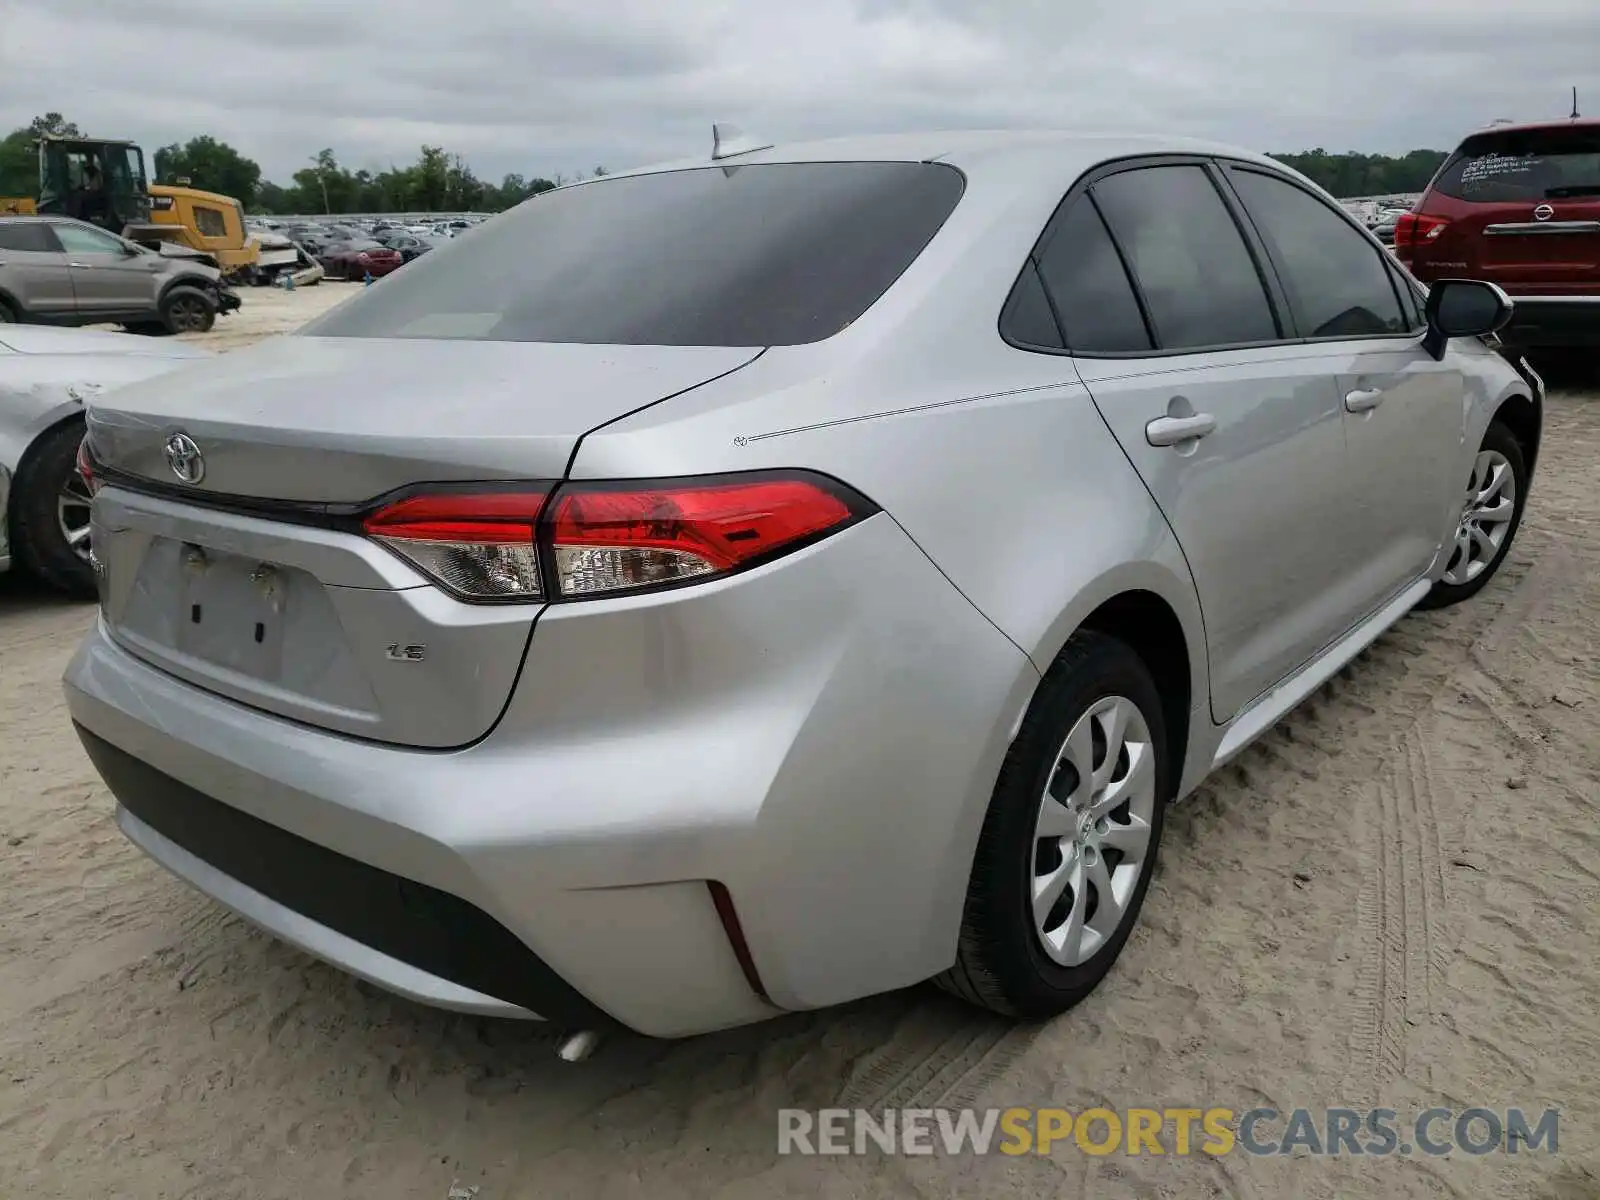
point(188, 315)
point(1092, 834)
point(1486, 518)
point(72, 515)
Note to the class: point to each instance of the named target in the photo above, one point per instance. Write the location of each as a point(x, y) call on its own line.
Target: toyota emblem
point(185, 459)
point(1543, 213)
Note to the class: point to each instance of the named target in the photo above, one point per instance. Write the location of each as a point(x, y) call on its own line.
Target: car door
point(1235, 430)
point(1405, 413)
point(34, 272)
point(108, 275)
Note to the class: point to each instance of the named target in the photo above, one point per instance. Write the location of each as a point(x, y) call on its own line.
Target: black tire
point(50, 465)
point(1501, 440)
point(186, 310)
point(1000, 962)
point(7, 315)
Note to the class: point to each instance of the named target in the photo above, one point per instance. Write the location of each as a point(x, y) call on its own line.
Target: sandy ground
point(1391, 899)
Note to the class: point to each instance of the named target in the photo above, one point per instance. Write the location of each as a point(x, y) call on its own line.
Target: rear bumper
point(1552, 322)
point(820, 736)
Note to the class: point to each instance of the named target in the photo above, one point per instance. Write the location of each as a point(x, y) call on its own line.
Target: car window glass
point(1525, 166)
point(26, 235)
point(1188, 257)
point(763, 254)
point(1335, 278)
point(1409, 298)
point(1085, 277)
point(80, 239)
point(1027, 319)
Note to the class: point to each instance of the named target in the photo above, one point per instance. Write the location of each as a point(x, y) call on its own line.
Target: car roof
point(988, 149)
point(1539, 126)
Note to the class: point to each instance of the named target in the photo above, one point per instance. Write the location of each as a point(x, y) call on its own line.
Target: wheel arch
point(197, 284)
point(24, 458)
point(10, 302)
point(1153, 608)
point(1523, 416)
point(1147, 625)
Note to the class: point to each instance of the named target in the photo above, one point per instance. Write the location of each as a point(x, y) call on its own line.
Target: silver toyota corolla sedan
point(752, 583)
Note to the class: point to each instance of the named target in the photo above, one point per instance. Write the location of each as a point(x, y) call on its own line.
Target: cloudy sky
point(547, 86)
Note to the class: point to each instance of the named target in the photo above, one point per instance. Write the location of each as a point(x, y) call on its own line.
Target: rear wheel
point(50, 511)
point(8, 315)
point(1497, 487)
point(1070, 839)
point(184, 310)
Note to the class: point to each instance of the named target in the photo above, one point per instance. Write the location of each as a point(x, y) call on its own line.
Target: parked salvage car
point(1519, 206)
point(356, 258)
point(822, 564)
point(408, 244)
point(46, 378)
point(57, 271)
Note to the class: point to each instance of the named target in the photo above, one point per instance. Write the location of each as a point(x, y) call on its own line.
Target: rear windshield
point(756, 255)
point(1518, 165)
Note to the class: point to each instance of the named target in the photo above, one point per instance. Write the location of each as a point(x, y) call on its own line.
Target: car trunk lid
point(255, 581)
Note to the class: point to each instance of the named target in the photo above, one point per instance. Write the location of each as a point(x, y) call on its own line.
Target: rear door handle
point(1169, 431)
point(81, 266)
point(1363, 400)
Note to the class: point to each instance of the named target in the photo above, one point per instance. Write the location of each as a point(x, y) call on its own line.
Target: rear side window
point(27, 236)
point(1027, 319)
point(758, 255)
point(1337, 283)
point(1198, 278)
point(1085, 277)
point(1528, 165)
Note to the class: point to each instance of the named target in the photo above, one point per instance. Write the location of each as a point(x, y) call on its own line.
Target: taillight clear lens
point(479, 545)
point(608, 539)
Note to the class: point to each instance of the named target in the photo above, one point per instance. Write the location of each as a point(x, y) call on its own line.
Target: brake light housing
point(1415, 229)
point(85, 467)
point(526, 542)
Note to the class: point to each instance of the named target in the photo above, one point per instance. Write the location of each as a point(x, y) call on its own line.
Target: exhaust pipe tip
point(579, 1046)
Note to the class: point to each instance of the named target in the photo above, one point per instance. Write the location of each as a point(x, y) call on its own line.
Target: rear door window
point(763, 254)
point(1085, 277)
point(1198, 277)
point(1524, 165)
point(1335, 277)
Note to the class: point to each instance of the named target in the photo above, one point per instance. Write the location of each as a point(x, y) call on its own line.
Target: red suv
point(1518, 205)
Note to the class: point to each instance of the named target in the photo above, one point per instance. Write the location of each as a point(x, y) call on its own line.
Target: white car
point(47, 375)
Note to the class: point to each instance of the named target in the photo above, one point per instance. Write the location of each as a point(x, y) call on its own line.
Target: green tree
point(19, 157)
point(1355, 174)
point(210, 165)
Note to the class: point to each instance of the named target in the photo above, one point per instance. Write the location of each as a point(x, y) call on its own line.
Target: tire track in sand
point(1401, 908)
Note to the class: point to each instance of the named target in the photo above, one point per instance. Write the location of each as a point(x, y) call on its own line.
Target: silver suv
point(57, 271)
point(722, 590)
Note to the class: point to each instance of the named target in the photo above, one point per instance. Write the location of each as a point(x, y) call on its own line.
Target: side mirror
point(129, 250)
point(1463, 308)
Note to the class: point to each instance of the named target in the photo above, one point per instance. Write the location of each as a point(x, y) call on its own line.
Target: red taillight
point(609, 540)
point(479, 545)
point(605, 539)
point(1417, 229)
point(85, 466)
